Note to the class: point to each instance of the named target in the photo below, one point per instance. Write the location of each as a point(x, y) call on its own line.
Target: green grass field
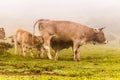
point(99, 62)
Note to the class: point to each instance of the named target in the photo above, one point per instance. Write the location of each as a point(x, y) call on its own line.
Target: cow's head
point(2, 33)
point(99, 36)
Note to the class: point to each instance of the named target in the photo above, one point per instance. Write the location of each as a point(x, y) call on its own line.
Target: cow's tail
point(37, 22)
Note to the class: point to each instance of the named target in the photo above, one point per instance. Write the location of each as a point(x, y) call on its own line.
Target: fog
point(94, 13)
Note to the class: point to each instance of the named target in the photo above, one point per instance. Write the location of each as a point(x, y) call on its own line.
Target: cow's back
point(65, 30)
point(23, 36)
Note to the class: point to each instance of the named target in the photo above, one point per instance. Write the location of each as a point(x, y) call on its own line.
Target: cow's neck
point(89, 34)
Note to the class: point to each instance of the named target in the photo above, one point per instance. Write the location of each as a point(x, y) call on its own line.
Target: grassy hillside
point(97, 62)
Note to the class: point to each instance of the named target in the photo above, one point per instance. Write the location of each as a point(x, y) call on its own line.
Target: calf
point(26, 40)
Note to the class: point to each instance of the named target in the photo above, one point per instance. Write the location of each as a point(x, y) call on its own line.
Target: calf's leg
point(16, 47)
point(31, 52)
point(23, 50)
point(39, 52)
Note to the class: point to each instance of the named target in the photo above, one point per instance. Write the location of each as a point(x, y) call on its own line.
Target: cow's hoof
point(33, 56)
point(15, 53)
point(55, 59)
point(50, 58)
point(41, 57)
point(76, 59)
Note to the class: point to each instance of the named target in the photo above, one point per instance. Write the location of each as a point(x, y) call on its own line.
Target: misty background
point(94, 13)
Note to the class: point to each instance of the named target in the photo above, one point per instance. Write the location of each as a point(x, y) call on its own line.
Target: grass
point(99, 62)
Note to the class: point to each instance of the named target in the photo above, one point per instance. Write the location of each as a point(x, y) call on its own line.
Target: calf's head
point(38, 41)
point(99, 36)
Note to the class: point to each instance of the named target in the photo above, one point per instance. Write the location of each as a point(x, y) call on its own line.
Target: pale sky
point(24, 13)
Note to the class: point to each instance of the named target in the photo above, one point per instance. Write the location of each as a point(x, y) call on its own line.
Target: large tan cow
point(67, 31)
point(2, 33)
point(26, 40)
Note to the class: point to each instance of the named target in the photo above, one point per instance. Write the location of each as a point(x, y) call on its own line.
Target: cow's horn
point(96, 30)
point(101, 28)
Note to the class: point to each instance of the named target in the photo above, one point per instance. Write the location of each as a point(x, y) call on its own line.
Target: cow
point(67, 31)
point(25, 40)
point(2, 33)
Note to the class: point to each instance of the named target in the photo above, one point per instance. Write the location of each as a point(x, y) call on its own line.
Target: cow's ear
point(101, 28)
point(96, 30)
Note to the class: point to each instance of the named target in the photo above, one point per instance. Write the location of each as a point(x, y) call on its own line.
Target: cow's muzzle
point(106, 41)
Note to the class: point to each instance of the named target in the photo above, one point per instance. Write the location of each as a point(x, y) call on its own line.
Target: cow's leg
point(75, 51)
point(56, 54)
point(47, 48)
point(23, 50)
point(31, 52)
point(39, 52)
point(46, 44)
point(16, 46)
